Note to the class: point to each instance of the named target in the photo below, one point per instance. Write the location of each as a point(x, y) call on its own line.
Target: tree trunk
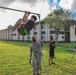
point(57, 33)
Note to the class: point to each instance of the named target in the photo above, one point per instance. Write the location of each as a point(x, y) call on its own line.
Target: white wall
point(46, 36)
point(72, 34)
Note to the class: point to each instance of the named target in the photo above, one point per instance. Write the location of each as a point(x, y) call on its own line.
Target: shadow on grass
point(64, 69)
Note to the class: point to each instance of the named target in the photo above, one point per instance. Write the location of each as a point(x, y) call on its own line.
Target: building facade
point(39, 31)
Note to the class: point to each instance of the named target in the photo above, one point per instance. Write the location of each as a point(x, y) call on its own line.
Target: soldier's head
point(34, 39)
point(51, 38)
point(33, 18)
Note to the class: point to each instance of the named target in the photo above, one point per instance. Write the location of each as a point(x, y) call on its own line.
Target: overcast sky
point(42, 7)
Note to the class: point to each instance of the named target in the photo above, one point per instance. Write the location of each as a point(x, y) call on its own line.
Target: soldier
point(51, 51)
point(25, 25)
point(24, 20)
point(36, 50)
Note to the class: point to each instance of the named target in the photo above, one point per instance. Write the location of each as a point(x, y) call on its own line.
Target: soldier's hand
point(42, 54)
point(30, 61)
point(27, 12)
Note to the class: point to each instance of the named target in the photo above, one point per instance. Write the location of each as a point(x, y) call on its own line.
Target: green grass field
point(14, 59)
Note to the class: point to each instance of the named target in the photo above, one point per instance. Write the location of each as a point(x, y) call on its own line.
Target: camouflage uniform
point(36, 49)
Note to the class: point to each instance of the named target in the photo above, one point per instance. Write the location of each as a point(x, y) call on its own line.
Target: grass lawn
point(14, 59)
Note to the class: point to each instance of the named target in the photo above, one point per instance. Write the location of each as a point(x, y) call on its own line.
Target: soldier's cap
point(33, 16)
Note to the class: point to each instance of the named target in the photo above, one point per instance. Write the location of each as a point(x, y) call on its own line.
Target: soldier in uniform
point(35, 50)
point(51, 51)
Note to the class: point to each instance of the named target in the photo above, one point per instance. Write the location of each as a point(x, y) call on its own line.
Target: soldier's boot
point(38, 72)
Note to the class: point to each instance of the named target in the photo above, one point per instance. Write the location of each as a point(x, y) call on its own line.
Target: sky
point(43, 7)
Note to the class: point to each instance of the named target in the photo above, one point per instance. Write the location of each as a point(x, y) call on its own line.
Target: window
point(42, 37)
point(41, 27)
point(35, 33)
point(13, 34)
point(28, 37)
point(62, 36)
point(23, 38)
point(52, 32)
point(29, 34)
point(43, 32)
point(18, 38)
point(61, 32)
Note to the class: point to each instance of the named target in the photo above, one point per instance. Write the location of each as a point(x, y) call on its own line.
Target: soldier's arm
point(25, 17)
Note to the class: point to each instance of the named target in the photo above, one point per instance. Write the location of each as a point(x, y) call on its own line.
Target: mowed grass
point(14, 59)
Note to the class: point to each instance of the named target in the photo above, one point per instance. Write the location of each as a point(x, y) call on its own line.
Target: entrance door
point(67, 36)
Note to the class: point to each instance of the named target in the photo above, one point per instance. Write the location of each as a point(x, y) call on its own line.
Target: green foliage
point(14, 59)
point(58, 19)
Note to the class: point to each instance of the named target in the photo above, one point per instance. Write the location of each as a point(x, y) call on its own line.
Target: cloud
point(31, 2)
point(66, 4)
point(6, 2)
point(73, 5)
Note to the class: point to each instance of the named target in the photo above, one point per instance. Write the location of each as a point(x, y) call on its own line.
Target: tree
point(58, 19)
